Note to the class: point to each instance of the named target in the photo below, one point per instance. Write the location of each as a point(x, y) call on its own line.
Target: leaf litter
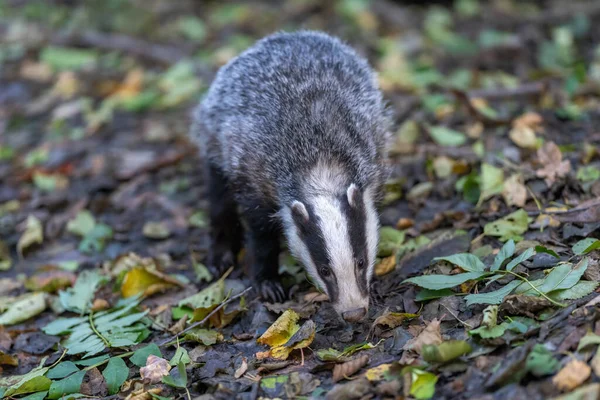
point(487, 262)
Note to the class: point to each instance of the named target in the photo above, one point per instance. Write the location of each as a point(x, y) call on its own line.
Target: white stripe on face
point(298, 248)
point(372, 231)
point(334, 227)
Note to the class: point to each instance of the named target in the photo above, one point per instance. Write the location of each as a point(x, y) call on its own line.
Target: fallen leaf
point(5, 259)
point(50, 280)
point(421, 384)
point(281, 330)
point(445, 351)
point(23, 308)
point(554, 167)
point(386, 265)
point(146, 281)
point(523, 136)
point(514, 191)
point(33, 234)
point(429, 336)
point(156, 368)
point(391, 320)
point(241, 369)
point(492, 182)
point(349, 368)
point(587, 392)
point(336, 355)
point(595, 363)
point(510, 227)
point(572, 375)
point(377, 373)
point(156, 230)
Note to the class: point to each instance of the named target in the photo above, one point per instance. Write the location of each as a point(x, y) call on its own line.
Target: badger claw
point(220, 261)
point(272, 291)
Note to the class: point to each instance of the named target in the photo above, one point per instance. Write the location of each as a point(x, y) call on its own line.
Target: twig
point(465, 99)
point(213, 312)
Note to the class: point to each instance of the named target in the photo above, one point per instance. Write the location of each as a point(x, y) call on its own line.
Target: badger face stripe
point(356, 217)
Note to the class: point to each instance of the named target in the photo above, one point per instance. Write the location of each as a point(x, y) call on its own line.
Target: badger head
point(335, 236)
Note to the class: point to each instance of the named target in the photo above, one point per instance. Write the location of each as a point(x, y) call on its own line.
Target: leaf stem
point(91, 319)
point(521, 277)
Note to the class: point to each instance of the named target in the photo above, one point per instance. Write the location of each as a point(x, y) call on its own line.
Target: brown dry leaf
point(349, 368)
point(387, 265)
point(100, 304)
point(179, 325)
point(35, 71)
point(7, 359)
point(554, 167)
point(242, 369)
point(155, 369)
point(131, 85)
point(572, 375)
point(524, 128)
point(316, 297)
point(94, 385)
point(392, 319)
point(430, 335)
point(405, 223)
point(514, 191)
point(520, 304)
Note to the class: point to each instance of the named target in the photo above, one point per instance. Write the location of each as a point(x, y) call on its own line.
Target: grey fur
point(255, 117)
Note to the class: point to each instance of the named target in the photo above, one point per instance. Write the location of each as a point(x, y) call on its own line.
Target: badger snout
point(354, 315)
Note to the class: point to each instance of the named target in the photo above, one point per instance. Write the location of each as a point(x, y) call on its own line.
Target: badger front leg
point(262, 247)
point(226, 231)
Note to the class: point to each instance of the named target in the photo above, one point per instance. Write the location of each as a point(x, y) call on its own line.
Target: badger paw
point(272, 291)
point(220, 261)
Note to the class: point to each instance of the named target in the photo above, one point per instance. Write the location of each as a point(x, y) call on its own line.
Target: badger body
point(293, 133)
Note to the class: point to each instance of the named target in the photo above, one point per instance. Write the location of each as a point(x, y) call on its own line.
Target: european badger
point(293, 132)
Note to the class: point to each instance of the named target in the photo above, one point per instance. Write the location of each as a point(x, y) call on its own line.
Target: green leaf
point(33, 381)
point(510, 227)
point(445, 351)
point(563, 276)
point(579, 290)
point(585, 246)
point(79, 298)
point(34, 396)
point(63, 58)
point(23, 308)
point(540, 362)
point(120, 327)
point(92, 361)
point(518, 260)
point(65, 386)
point(588, 173)
point(437, 282)
point(505, 253)
point(192, 27)
point(427, 294)
point(141, 355)
point(115, 374)
point(62, 370)
point(179, 379)
point(205, 336)
point(446, 137)
point(489, 333)
point(180, 356)
point(542, 249)
point(83, 223)
point(422, 383)
point(589, 339)
point(390, 240)
point(495, 297)
point(466, 261)
point(491, 181)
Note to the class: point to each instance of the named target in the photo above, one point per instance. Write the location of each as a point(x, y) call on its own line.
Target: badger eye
point(361, 264)
point(325, 271)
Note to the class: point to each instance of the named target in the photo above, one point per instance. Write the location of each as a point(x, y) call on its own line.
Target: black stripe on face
point(310, 234)
point(356, 217)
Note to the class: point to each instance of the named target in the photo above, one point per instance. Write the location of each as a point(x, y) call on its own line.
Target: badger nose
point(354, 315)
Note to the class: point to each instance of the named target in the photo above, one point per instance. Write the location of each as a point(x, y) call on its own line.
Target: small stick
point(213, 312)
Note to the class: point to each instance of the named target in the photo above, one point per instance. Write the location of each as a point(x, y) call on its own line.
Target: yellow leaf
point(33, 234)
point(141, 280)
point(66, 85)
point(387, 265)
point(523, 136)
point(514, 191)
point(572, 375)
point(377, 373)
point(393, 319)
point(282, 329)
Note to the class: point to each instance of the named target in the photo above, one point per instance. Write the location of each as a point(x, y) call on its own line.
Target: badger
point(293, 134)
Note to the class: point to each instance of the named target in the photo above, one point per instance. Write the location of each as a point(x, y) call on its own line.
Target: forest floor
point(489, 261)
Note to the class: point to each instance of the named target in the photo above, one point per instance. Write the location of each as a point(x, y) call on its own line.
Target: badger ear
point(353, 194)
point(299, 213)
